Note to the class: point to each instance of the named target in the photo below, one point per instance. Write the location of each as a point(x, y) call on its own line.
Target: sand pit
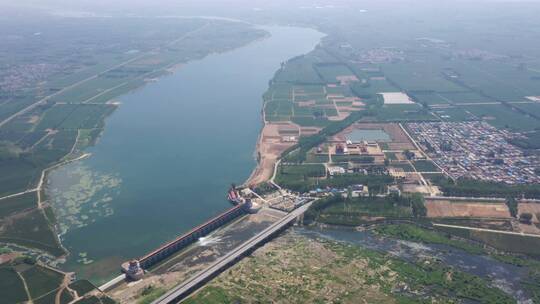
point(446, 208)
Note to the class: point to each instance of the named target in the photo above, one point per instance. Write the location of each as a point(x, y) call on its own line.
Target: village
point(475, 150)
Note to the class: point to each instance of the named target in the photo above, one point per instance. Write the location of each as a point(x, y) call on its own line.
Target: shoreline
point(257, 152)
point(265, 162)
point(167, 71)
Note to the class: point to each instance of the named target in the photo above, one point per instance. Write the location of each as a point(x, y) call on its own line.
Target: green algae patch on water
point(89, 196)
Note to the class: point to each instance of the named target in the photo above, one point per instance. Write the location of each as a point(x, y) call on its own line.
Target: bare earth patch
point(272, 143)
point(446, 208)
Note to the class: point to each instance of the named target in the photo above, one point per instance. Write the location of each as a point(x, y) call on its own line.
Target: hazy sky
point(156, 4)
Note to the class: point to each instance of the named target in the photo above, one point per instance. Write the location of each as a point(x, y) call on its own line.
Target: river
point(506, 277)
point(168, 155)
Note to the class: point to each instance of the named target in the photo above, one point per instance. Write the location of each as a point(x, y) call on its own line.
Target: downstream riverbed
point(168, 155)
point(504, 276)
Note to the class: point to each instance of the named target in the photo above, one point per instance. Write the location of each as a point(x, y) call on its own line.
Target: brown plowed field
point(446, 208)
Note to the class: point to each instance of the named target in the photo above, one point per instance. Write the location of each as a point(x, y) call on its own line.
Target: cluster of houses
point(475, 150)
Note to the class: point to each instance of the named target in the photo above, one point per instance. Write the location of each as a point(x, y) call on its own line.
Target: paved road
point(194, 282)
point(112, 282)
point(480, 199)
point(488, 230)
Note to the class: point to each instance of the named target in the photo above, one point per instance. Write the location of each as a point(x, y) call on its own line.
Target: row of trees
point(391, 206)
point(478, 188)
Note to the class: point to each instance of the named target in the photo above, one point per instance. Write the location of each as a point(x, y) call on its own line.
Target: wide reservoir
point(168, 155)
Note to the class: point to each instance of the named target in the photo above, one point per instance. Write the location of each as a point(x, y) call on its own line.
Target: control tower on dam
point(135, 268)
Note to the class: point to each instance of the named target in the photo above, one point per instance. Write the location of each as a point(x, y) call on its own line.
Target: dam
point(181, 242)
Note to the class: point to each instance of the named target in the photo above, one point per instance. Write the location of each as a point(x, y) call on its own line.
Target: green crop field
point(41, 281)
point(309, 90)
point(65, 298)
point(17, 204)
point(11, 287)
point(299, 70)
point(43, 285)
point(316, 158)
point(53, 148)
point(87, 116)
point(408, 112)
point(82, 286)
point(506, 242)
point(87, 90)
point(33, 230)
point(497, 86)
point(503, 117)
point(310, 121)
point(465, 97)
point(17, 175)
point(428, 98)
point(425, 166)
point(55, 116)
point(453, 114)
point(21, 173)
point(278, 108)
point(419, 76)
point(405, 166)
point(352, 158)
point(330, 71)
point(30, 139)
point(531, 108)
point(73, 116)
point(302, 170)
point(14, 105)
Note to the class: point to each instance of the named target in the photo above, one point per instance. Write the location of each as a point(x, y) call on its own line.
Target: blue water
point(359, 135)
point(168, 155)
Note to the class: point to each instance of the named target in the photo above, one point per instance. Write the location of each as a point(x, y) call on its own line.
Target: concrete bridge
point(199, 279)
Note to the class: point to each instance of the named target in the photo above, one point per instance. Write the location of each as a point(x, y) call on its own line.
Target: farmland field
point(419, 77)
point(330, 72)
point(411, 112)
point(425, 166)
point(41, 281)
point(503, 117)
point(31, 229)
point(11, 287)
point(465, 97)
point(531, 108)
point(453, 114)
point(16, 204)
point(74, 116)
point(429, 98)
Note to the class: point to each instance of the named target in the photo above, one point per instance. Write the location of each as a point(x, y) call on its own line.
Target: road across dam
point(196, 281)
